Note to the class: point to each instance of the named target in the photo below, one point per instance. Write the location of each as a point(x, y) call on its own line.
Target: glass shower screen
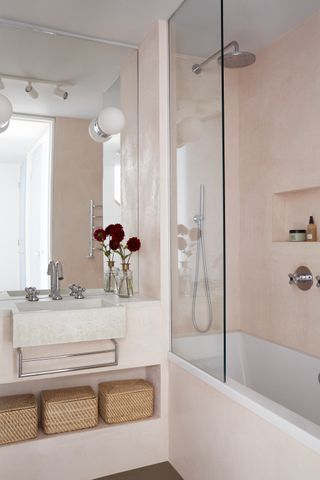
point(197, 180)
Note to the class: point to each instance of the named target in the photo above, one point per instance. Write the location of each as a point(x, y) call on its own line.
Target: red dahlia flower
point(117, 232)
point(114, 244)
point(108, 230)
point(133, 244)
point(100, 235)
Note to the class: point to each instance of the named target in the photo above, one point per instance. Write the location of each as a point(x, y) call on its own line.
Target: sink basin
point(67, 303)
point(68, 320)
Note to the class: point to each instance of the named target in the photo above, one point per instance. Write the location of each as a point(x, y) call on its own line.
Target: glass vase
point(110, 283)
point(124, 281)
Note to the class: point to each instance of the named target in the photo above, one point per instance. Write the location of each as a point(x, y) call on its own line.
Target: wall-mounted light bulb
point(31, 91)
point(5, 113)
point(61, 93)
point(110, 121)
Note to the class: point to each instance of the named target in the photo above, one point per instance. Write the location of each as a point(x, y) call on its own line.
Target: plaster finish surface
point(279, 105)
point(77, 178)
point(212, 436)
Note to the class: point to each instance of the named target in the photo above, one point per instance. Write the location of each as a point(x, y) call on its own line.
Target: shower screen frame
point(172, 126)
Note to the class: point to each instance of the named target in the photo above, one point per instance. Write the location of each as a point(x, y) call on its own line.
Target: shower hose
point(201, 251)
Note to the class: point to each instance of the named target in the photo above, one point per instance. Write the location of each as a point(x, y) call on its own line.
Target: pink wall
point(279, 144)
point(77, 175)
point(213, 437)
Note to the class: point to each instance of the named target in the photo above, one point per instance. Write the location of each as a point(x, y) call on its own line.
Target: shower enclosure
point(197, 179)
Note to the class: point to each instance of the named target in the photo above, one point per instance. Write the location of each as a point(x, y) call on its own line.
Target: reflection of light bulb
point(111, 120)
point(95, 134)
point(188, 130)
point(5, 113)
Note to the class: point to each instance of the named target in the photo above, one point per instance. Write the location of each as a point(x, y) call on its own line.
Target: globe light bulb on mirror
point(110, 121)
point(5, 112)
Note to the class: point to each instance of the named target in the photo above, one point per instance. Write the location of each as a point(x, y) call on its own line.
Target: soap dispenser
point(311, 231)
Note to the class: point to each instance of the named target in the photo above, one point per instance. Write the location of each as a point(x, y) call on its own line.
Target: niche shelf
point(291, 210)
point(151, 373)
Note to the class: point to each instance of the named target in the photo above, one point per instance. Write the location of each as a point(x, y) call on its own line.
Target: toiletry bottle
point(311, 231)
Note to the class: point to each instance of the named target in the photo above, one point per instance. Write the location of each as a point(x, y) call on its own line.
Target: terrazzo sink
point(68, 320)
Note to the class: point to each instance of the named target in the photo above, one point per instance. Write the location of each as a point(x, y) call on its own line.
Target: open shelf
point(291, 210)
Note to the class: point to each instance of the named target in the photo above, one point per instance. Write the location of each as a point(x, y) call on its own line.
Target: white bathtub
point(277, 383)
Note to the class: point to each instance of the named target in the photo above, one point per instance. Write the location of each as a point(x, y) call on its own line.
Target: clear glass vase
point(110, 282)
point(124, 281)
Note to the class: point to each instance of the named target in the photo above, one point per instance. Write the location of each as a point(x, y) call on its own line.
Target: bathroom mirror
point(51, 170)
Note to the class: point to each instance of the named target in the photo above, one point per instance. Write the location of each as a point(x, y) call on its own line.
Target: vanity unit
point(50, 344)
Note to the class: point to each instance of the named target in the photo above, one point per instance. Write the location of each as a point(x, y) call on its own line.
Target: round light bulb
point(93, 134)
point(5, 110)
point(188, 130)
point(111, 120)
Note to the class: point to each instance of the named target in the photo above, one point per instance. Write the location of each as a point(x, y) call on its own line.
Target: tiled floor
point(161, 471)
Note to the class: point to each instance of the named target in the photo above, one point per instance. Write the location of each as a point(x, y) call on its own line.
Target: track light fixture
point(61, 93)
point(31, 91)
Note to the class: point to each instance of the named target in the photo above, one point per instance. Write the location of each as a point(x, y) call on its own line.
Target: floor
point(161, 471)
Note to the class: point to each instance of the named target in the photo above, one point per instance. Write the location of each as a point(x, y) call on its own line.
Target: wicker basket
point(125, 401)
point(18, 418)
point(68, 409)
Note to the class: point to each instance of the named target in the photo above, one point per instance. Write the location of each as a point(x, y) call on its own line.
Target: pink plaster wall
point(77, 175)
point(149, 165)
point(279, 151)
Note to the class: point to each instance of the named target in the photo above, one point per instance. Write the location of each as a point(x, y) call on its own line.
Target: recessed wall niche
point(292, 209)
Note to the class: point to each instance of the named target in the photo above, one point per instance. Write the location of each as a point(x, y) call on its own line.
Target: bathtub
point(277, 383)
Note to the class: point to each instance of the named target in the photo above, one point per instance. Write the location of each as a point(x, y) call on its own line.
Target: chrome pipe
point(196, 68)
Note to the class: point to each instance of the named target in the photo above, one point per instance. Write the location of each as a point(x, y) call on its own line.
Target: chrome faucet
point(56, 274)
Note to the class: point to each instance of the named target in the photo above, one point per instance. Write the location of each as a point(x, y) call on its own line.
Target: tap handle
point(79, 292)
point(73, 289)
point(32, 294)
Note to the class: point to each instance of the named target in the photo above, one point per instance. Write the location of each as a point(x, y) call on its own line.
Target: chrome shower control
point(302, 278)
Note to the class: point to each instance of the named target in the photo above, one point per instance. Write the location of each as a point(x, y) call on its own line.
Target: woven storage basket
point(125, 400)
point(18, 418)
point(68, 409)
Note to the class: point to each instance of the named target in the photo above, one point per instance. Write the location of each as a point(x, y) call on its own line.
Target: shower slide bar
point(22, 361)
point(92, 226)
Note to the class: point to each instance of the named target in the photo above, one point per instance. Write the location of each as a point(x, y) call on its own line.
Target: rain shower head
point(235, 59)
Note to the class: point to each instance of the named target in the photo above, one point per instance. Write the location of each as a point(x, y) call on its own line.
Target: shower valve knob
point(302, 278)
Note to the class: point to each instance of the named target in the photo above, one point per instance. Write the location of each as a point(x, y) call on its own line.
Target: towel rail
point(22, 360)
point(92, 226)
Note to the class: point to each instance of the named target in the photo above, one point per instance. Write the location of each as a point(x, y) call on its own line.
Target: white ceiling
point(258, 23)
point(121, 20)
point(255, 24)
point(91, 66)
